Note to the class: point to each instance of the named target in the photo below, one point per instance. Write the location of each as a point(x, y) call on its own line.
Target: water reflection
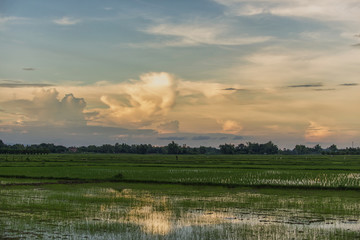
point(158, 216)
point(152, 221)
point(124, 213)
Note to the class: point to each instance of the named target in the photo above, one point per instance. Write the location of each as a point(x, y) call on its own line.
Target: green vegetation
point(129, 196)
point(174, 148)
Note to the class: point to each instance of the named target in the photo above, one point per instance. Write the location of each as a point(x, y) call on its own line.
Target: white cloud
point(45, 107)
point(278, 66)
point(66, 21)
point(322, 10)
point(192, 34)
point(4, 20)
point(138, 103)
point(145, 102)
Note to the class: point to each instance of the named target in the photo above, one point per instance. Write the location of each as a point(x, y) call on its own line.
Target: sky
point(197, 72)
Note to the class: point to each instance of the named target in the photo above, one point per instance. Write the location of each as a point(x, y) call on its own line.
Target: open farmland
point(105, 196)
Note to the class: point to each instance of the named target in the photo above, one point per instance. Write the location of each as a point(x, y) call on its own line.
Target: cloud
point(5, 130)
point(154, 100)
point(321, 10)
point(66, 21)
point(28, 69)
point(169, 127)
point(172, 138)
point(316, 132)
point(234, 89)
point(147, 102)
point(79, 135)
point(139, 102)
point(306, 85)
point(201, 138)
point(349, 84)
point(24, 85)
point(238, 138)
point(8, 19)
point(324, 89)
point(46, 108)
point(193, 34)
point(230, 126)
point(74, 135)
point(193, 139)
point(10, 81)
point(282, 66)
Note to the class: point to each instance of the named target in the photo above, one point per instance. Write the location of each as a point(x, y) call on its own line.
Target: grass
point(316, 172)
point(200, 197)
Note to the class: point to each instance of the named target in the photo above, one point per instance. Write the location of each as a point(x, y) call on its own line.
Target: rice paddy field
point(120, 196)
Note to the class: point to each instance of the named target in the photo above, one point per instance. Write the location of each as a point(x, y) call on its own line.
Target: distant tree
point(317, 149)
point(300, 149)
point(202, 150)
point(253, 148)
point(107, 148)
point(142, 148)
point(92, 148)
point(227, 148)
point(241, 149)
point(2, 145)
point(122, 148)
point(333, 149)
point(173, 148)
point(269, 148)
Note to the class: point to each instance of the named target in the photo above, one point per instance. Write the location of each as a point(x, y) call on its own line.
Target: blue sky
point(199, 72)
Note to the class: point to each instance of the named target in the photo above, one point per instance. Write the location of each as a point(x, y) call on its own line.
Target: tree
point(173, 148)
point(227, 148)
point(2, 145)
point(317, 148)
point(107, 148)
point(202, 150)
point(253, 148)
point(333, 148)
point(300, 149)
point(241, 149)
point(269, 148)
point(142, 148)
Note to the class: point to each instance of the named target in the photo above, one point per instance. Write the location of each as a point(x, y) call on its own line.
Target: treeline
point(271, 148)
point(171, 148)
point(174, 148)
point(45, 148)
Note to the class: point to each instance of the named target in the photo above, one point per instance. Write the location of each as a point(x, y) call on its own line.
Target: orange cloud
point(230, 126)
point(316, 132)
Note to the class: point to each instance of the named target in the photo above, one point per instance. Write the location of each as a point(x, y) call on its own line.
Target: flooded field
point(128, 211)
point(67, 205)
